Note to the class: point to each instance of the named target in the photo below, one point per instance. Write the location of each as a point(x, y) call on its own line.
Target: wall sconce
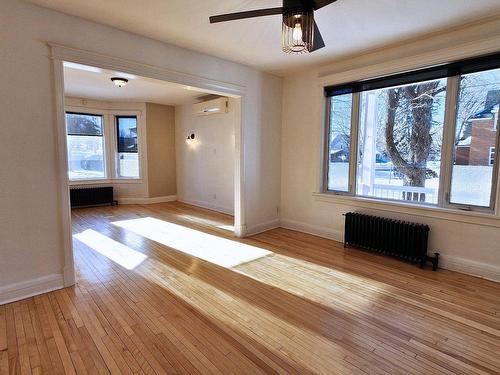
point(190, 138)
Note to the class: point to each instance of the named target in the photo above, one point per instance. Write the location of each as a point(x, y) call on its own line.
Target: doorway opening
point(152, 140)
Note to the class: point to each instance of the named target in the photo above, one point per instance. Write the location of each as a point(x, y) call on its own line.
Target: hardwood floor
point(280, 302)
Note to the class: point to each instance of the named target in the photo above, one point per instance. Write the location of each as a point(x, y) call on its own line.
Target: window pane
point(128, 157)
point(400, 137)
point(128, 165)
point(85, 157)
point(85, 146)
point(83, 124)
point(127, 134)
point(339, 142)
point(475, 138)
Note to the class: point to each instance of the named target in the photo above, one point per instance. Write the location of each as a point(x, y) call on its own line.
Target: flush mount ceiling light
point(119, 81)
point(299, 32)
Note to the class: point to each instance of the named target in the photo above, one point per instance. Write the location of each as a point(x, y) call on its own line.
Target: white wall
point(468, 243)
point(31, 233)
point(205, 166)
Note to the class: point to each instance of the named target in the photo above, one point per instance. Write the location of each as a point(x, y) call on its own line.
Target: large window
point(127, 152)
point(99, 151)
point(86, 159)
point(425, 137)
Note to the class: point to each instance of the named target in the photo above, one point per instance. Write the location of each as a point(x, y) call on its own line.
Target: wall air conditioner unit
point(210, 107)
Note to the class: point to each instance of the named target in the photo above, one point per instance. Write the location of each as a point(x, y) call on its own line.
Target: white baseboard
point(132, 200)
point(470, 267)
point(316, 230)
point(30, 288)
point(261, 227)
point(467, 266)
point(207, 205)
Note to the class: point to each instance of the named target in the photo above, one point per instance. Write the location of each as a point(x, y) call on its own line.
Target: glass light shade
point(297, 32)
point(119, 81)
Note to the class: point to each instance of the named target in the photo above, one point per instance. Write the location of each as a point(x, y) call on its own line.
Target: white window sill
point(479, 218)
point(106, 182)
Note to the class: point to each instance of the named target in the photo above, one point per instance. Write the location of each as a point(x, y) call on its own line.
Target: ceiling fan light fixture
point(119, 81)
point(297, 31)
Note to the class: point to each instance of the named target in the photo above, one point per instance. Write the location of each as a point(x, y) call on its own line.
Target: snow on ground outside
point(470, 184)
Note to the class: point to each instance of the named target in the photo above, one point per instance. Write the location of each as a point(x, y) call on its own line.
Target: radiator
point(91, 196)
point(395, 238)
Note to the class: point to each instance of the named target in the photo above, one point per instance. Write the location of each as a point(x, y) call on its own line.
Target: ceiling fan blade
point(318, 39)
point(321, 3)
point(247, 14)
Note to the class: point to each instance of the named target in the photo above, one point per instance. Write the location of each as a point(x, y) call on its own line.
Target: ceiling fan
point(299, 30)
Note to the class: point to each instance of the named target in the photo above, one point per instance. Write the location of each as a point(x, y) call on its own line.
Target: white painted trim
point(84, 57)
point(239, 169)
point(62, 169)
point(30, 288)
point(262, 227)
point(462, 265)
point(77, 183)
point(135, 200)
point(470, 267)
point(315, 230)
point(442, 213)
point(208, 206)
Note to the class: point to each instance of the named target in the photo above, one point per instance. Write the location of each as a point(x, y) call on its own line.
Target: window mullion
point(452, 88)
point(326, 141)
point(353, 151)
point(109, 147)
point(114, 144)
point(495, 194)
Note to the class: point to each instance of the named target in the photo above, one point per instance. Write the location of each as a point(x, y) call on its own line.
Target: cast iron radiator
point(400, 239)
point(91, 196)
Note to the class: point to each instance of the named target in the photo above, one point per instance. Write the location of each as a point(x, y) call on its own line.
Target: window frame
point(104, 145)
point(447, 148)
point(451, 125)
point(123, 114)
point(352, 151)
point(110, 144)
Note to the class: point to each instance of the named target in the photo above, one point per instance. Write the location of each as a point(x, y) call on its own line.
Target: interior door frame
point(59, 54)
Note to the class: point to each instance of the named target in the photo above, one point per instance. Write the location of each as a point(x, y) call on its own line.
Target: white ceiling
point(347, 26)
point(95, 83)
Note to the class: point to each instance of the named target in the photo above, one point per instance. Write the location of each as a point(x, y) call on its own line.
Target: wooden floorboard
point(163, 301)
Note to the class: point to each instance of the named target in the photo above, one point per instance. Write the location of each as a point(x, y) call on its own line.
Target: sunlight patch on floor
point(255, 320)
point(111, 249)
point(217, 250)
point(322, 285)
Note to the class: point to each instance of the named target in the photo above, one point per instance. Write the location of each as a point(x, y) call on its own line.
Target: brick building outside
point(477, 146)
